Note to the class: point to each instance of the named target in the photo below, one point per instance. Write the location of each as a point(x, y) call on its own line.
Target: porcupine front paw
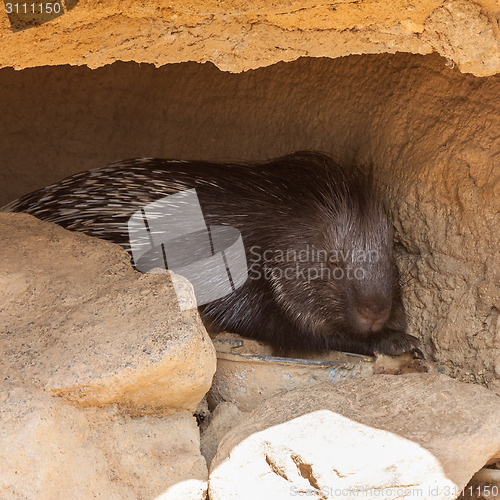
point(394, 343)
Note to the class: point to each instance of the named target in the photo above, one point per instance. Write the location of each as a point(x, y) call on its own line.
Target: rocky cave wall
point(431, 130)
point(237, 35)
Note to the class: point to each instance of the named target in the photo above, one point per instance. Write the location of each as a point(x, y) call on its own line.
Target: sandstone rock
point(224, 417)
point(158, 457)
point(50, 450)
point(395, 436)
point(465, 24)
point(83, 325)
point(238, 36)
point(45, 451)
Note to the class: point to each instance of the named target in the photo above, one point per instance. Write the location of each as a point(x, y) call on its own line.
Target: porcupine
point(299, 202)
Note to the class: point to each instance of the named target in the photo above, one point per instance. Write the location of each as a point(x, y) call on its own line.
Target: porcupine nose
point(371, 317)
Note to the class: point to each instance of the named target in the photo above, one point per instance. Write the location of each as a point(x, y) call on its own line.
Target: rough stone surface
point(224, 417)
point(238, 36)
point(466, 34)
point(397, 435)
point(431, 132)
point(158, 457)
point(53, 451)
point(44, 450)
point(80, 323)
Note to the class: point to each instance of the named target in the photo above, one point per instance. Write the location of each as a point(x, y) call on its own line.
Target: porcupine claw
point(395, 343)
point(417, 354)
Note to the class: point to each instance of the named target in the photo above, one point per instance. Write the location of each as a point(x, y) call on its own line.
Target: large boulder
point(83, 325)
point(50, 450)
point(385, 436)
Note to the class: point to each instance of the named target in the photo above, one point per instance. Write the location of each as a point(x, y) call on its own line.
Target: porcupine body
point(308, 225)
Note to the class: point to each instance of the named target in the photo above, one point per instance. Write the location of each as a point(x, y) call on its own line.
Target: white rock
point(385, 436)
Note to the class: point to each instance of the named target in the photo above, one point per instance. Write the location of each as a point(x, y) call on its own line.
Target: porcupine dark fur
point(303, 200)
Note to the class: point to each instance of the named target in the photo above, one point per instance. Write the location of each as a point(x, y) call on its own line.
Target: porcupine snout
point(371, 316)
